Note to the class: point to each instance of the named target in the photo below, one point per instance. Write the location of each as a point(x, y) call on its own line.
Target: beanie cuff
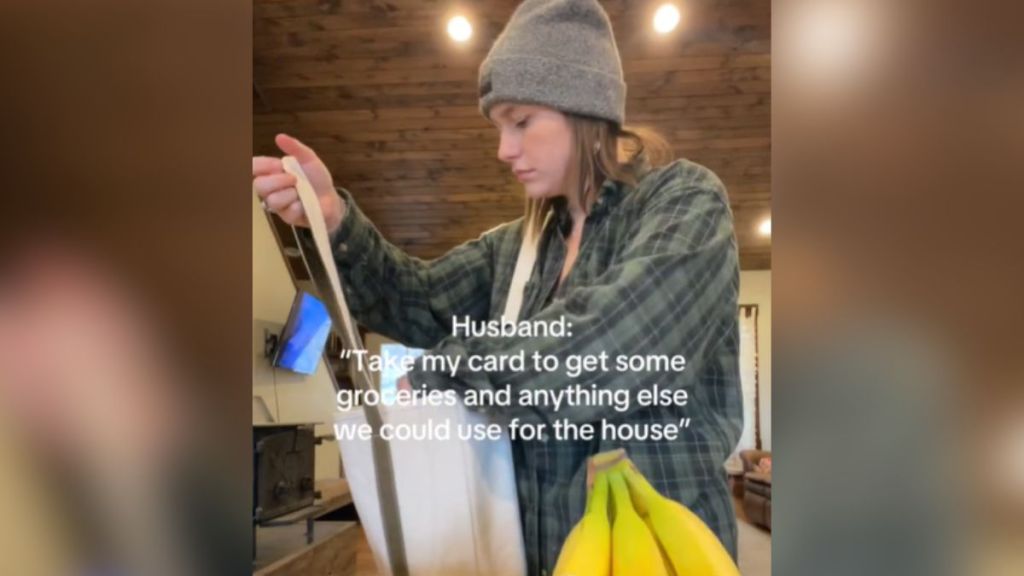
point(547, 82)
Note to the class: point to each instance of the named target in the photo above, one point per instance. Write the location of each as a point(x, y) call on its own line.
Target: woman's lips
point(524, 174)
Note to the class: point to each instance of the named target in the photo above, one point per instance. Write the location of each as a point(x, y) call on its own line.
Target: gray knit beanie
point(557, 53)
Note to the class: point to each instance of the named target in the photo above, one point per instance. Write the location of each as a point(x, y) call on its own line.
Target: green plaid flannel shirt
point(657, 273)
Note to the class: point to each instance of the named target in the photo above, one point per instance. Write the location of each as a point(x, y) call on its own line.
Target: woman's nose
point(508, 149)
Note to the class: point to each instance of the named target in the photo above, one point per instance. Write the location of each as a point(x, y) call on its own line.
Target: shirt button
point(343, 247)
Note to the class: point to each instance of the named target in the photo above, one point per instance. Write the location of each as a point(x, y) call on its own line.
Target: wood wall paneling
point(390, 103)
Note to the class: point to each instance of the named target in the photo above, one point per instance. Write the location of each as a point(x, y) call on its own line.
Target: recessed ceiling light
point(460, 29)
point(666, 19)
point(766, 227)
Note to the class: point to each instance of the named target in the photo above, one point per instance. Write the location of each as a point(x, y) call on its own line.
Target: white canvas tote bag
point(428, 507)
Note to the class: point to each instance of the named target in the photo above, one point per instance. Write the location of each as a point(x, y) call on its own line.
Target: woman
point(639, 258)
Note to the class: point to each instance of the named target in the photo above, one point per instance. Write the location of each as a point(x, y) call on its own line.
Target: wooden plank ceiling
point(389, 101)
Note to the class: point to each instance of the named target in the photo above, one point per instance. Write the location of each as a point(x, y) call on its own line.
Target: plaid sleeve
point(406, 298)
point(673, 290)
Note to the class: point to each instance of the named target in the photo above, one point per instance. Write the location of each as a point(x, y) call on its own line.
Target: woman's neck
point(579, 212)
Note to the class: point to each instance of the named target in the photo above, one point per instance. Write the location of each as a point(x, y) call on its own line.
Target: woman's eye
point(522, 123)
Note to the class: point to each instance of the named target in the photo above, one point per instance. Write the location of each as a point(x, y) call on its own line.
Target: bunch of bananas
point(648, 535)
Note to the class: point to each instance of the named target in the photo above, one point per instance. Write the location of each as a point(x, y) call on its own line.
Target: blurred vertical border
point(125, 286)
point(898, 142)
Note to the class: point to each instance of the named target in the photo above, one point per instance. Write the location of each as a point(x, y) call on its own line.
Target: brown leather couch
point(757, 489)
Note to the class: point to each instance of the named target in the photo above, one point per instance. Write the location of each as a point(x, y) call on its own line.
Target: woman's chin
point(536, 191)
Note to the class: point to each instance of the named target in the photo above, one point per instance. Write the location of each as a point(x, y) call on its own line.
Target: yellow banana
point(587, 551)
point(692, 548)
point(635, 552)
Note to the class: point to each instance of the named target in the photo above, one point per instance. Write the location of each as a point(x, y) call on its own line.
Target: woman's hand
point(276, 188)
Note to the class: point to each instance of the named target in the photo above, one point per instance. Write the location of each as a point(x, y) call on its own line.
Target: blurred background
point(126, 285)
point(898, 395)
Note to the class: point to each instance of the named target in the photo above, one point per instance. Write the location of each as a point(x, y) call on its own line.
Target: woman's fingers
point(264, 186)
point(293, 147)
point(280, 200)
point(286, 204)
point(266, 165)
point(294, 214)
point(276, 188)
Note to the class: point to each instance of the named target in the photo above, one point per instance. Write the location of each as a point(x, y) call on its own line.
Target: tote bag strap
point(317, 254)
point(523, 270)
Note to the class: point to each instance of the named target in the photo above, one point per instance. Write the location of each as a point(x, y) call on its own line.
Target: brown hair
point(601, 151)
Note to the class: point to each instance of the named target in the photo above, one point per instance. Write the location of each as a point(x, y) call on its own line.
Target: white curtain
point(748, 376)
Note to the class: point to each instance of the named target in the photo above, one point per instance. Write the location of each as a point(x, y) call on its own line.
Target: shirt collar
point(608, 197)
